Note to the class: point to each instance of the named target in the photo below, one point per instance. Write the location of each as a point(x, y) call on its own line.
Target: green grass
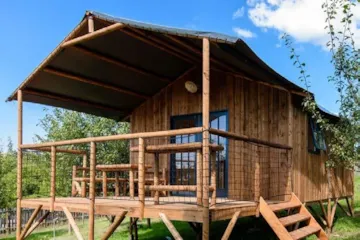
point(345, 228)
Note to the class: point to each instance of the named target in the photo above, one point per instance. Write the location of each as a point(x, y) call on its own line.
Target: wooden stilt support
point(170, 227)
point(148, 222)
point(317, 215)
point(29, 223)
point(141, 182)
point(53, 178)
point(19, 165)
point(83, 183)
point(36, 224)
point(230, 226)
point(199, 170)
point(73, 223)
point(206, 119)
point(117, 221)
point(350, 205)
point(344, 210)
point(333, 211)
point(324, 213)
point(92, 190)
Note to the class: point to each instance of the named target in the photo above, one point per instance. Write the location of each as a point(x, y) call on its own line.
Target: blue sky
point(32, 29)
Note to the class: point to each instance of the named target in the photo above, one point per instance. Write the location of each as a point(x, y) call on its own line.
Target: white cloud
point(278, 45)
point(244, 33)
point(302, 19)
point(238, 13)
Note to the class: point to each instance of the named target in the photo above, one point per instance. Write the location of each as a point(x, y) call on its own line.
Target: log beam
point(170, 227)
point(71, 100)
point(36, 224)
point(121, 64)
point(141, 182)
point(19, 164)
point(93, 82)
point(92, 190)
point(117, 221)
point(73, 223)
point(93, 35)
point(53, 178)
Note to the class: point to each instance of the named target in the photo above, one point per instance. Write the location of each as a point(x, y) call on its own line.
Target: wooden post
point(230, 226)
point(328, 217)
point(83, 183)
point(156, 178)
point(117, 221)
point(92, 190)
point(73, 187)
point(19, 165)
point(199, 170)
point(53, 178)
point(104, 184)
point(36, 224)
point(213, 177)
point(350, 205)
point(117, 185)
point(290, 182)
point(206, 119)
point(141, 177)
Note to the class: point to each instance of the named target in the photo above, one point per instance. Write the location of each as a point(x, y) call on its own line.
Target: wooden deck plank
point(292, 219)
point(304, 232)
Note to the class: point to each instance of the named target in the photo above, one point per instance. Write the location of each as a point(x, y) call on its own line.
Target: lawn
point(346, 228)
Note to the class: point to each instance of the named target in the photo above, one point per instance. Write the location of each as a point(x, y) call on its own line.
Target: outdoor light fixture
point(191, 87)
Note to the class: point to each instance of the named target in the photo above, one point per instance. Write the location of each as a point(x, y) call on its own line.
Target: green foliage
point(343, 135)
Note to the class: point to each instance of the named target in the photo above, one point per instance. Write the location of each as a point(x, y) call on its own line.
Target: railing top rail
point(129, 136)
point(245, 138)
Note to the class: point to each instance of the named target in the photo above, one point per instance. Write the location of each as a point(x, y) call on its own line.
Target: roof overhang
point(122, 63)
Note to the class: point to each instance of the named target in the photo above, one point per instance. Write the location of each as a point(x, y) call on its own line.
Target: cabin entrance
point(183, 165)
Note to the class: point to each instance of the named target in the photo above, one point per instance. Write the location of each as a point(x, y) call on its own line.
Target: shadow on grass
point(42, 235)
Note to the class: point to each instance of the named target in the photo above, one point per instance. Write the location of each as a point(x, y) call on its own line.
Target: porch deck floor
point(176, 208)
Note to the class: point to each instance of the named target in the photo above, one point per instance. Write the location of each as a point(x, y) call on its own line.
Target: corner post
point(141, 177)
point(92, 190)
point(53, 178)
point(206, 152)
point(19, 164)
point(91, 27)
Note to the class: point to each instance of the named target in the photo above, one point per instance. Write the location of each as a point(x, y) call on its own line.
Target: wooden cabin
point(226, 133)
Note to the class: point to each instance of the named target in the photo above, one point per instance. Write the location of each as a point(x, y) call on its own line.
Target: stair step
point(292, 219)
point(304, 232)
point(284, 206)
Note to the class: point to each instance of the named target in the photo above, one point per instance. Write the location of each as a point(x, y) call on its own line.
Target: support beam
point(71, 100)
point(117, 221)
point(92, 190)
point(141, 182)
point(205, 147)
point(92, 35)
point(333, 211)
point(19, 164)
point(230, 226)
point(53, 178)
point(120, 63)
point(93, 82)
point(73, 223)
point(36, 224)
point(324, 213)
point(29, 223)
point(162, 46)
point(344, 210)
point(170, 227)
point(350, 205)
point(104, 182)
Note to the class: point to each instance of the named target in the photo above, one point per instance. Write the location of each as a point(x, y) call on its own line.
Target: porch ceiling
point(112, 74)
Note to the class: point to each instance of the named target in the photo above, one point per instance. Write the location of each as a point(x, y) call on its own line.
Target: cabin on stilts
point(215, 134)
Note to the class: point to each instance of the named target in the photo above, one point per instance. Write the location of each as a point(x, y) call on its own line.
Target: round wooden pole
point(213, 177)
point(141, 177)
point(117, 185)
point(156, 178)
point(53, 178)
point(92, 190)
point(206, 119)
point(73, 187)
point(83, 183)
point(104, 184)
point(199, 170)
point(19, 165)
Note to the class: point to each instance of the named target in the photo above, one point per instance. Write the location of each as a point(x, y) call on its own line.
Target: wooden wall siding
point(255, 110)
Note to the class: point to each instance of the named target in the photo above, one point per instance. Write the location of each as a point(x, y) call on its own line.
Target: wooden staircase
point(286, 228)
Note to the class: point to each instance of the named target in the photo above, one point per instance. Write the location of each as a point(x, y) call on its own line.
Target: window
point(316, 139)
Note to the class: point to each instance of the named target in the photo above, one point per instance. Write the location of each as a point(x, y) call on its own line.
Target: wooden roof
point(128, 62)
